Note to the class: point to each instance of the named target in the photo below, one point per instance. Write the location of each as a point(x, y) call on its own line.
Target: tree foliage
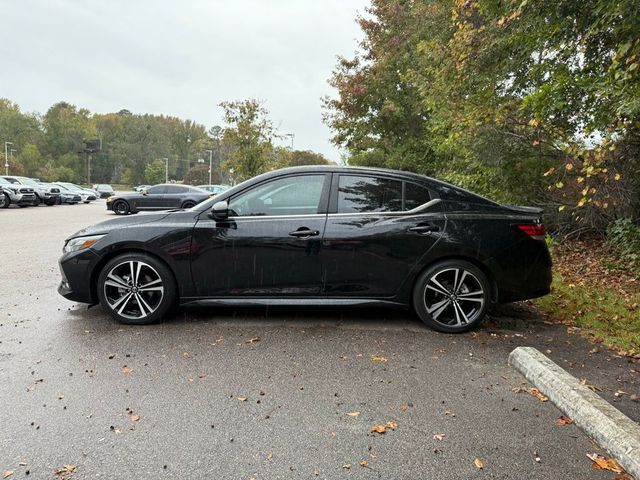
point(527, 101)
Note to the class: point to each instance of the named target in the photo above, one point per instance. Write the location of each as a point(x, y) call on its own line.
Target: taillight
point(533, 230)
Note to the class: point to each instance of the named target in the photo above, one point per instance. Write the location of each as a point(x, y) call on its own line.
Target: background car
point(47, 195)
point(104, 190)
point(86, 196)
point(317, 236)
point(159, 197)
point(141, 188)
point(5, 199)
point(18, 194)
point(215, 189)
point(68, 196)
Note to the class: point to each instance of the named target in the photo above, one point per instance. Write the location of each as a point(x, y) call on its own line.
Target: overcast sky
point(179, 58)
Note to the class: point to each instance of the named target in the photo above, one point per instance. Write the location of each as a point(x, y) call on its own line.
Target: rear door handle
point(424, 228)
point(304, 232)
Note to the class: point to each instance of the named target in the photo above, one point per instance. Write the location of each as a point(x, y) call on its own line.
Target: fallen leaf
point(127, 370)
point(253, 340)
point(478, 463)
point(270, 456)
point(68, 468)
point(185, 354)
point(563, 420)
point(603, 463)
point(346, 466)
point(7, 473)
point(531, 391)
point(353, 414)
point(135, 418)
point(242, 399)
point(439, 436)
point(382, 428)
point(405, 406)
point(364, 463)
point(379, 358)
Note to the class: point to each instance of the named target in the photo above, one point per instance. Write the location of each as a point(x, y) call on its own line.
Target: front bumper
point(26, 199)
point(75, 269)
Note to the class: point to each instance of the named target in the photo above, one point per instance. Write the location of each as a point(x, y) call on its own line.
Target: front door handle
point(304, 232)
point(424, 228)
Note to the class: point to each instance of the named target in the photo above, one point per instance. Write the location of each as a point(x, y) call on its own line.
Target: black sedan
point(317, 236)
point(159, 197)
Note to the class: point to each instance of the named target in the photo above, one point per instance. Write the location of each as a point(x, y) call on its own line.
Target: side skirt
point(260, 301)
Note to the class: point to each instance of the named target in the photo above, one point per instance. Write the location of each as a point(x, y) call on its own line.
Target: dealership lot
point(267, 393)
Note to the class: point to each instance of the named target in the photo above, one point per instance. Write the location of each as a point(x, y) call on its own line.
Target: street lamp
point(6, 157)
point(290, 135)
point(210, 163)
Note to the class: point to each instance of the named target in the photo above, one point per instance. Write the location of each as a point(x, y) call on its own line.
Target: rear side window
point(368, 194)
point(415, 195)
point(159, 189)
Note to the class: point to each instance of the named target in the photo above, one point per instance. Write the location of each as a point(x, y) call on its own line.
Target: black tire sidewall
point(421, 283)
point(121, 202)
point(170, 290)
point(6, 201)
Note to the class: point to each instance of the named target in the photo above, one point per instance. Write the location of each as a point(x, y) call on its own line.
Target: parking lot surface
point(272, 393)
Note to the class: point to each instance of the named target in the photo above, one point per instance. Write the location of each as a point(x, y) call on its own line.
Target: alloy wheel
point(133, 289)
point(454, 297)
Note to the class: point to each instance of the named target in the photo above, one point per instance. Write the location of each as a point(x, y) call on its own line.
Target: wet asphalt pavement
point(265, 394)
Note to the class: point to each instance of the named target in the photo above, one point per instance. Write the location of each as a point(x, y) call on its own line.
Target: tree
point(155, 172)
point(249, 134)
point(305, 157)
point(199, 175)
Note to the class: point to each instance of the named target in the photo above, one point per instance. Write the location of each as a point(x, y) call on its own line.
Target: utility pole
point(291, 136)
point(166, 170)
point(6, 157)
point(210, 163)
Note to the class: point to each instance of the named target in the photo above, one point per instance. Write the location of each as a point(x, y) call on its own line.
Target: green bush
point(624, 236)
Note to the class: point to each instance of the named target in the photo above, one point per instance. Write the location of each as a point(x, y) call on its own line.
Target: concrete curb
point(614, 431)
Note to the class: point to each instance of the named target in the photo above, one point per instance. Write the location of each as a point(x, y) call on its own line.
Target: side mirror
point(144, 192)
point(219, 211)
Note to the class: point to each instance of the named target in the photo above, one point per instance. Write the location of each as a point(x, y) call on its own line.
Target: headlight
point(81, 243)
point(110, 199)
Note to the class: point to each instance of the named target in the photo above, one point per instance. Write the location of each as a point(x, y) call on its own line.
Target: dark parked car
point(104, 190)
point(215, 189)
point(317, 236)
point(159, 197)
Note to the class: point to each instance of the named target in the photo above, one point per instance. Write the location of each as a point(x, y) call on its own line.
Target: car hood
point(118, 223)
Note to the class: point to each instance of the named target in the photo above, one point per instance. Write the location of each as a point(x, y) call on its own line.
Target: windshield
point(4, 181)
point(29, 181)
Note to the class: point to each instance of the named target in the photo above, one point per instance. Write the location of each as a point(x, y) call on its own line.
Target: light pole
point(11, 153)
point(6, 157)
point(210, 163)
point(292, 136)
point(166, 170)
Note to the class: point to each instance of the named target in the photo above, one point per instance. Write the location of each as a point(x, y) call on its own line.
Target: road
point(266, 394)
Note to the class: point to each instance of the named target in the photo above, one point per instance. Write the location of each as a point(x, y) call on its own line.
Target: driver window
point(298, 195)
point(158, 189)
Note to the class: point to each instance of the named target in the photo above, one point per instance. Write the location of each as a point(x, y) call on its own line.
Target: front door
point(372, 240)
point(269, 246)
point(151, 199)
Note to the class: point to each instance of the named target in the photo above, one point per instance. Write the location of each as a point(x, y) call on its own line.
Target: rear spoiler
point(526, 210)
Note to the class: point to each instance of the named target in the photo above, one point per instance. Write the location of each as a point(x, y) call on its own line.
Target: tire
point(86, 202)
point(188, 204)
point(449, 292)
point(50, 202)
point(23, 206)
point(119, 295)
point(37, 202)
point(5, 201)
point(121, 208)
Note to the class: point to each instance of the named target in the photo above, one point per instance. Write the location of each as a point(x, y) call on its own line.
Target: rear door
point(173, 196)
point(372, 241)
point(269, 246)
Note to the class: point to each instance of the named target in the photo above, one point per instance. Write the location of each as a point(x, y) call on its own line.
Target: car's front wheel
point(121, 207)
point(5, 201)
point(452, 296)
point(136, 288)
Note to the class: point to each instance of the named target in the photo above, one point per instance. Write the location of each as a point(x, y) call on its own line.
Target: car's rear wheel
point(5, 201)
point(136, 288)
point(188, 204)
point(121, 207)
point(452, 296)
